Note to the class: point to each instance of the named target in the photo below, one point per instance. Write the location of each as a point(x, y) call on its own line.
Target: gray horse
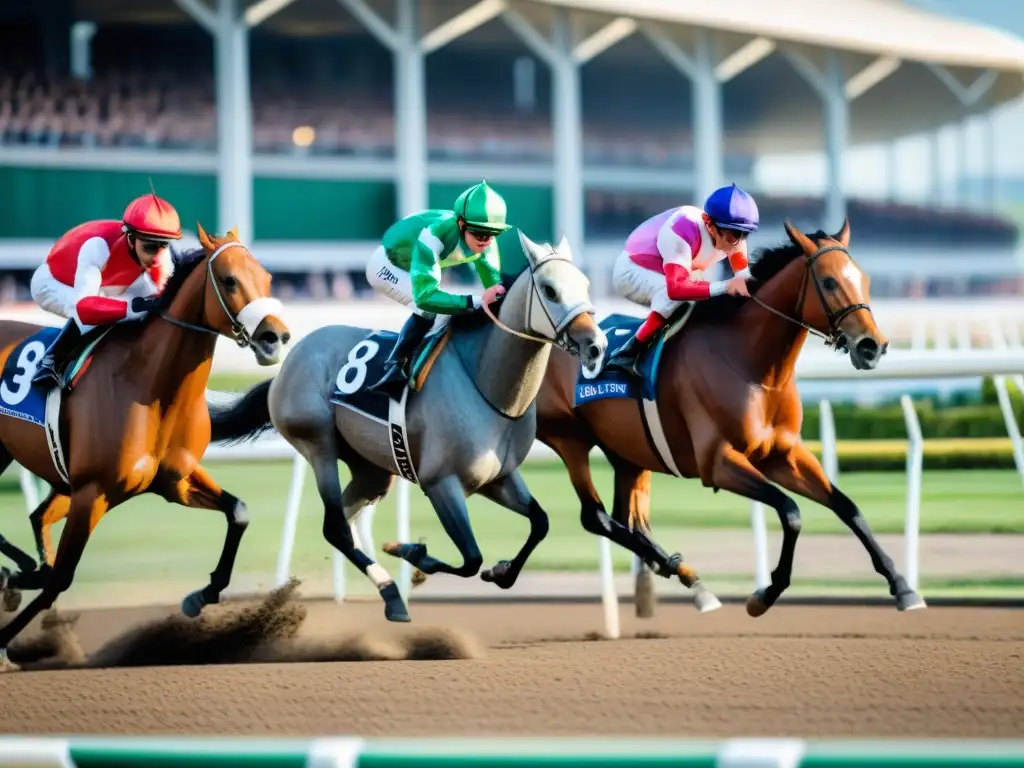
point(468, 428)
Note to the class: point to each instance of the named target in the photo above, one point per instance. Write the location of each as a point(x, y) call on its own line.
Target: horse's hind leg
point(10, 597)
point(800, 472)
point(200, 491)
point(369, 484)
point(632, 508)
point(449, 502)
point(511, 492)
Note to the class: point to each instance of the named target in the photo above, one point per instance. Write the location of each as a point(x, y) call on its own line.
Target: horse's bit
point(559, 335)
point(238, 331)
point(835, 337)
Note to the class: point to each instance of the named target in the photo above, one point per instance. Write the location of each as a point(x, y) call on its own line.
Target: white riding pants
point(643, 286)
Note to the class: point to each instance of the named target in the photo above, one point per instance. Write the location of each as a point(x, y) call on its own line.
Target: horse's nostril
point(594, 351)
point(267, 337)
point(286, 337)
point(867, 348)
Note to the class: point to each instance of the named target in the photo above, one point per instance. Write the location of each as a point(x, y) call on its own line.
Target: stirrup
point(393, 374)
point(47, 372)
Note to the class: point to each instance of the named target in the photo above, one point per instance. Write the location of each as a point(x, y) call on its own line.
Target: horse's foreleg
point(52, 510)
point(200, 491)
point(511, 492)
point(449, 502)
point(88, 505)
point(730, 470)
point(799, 471)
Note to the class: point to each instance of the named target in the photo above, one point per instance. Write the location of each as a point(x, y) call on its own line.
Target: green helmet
point(482, 208)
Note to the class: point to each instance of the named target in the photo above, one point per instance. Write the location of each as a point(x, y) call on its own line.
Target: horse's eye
point(230, 283)
point(829, 284)
point(549, 293)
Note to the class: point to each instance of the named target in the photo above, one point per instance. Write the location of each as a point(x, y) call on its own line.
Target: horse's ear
point(843, 235)
point(563, 248)
point(204, 239)
point(233, 234)
point(799, 238)
point(530, 248)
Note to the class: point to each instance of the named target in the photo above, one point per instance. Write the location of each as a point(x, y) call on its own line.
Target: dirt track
point(824, 672)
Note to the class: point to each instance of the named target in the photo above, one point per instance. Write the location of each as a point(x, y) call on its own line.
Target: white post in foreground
point(827, 433)
point(998, 340)
point(30, 490)
point(609, 596)
point(762, 576)
point(402, 530)
point(915, 464)
point(291, 520)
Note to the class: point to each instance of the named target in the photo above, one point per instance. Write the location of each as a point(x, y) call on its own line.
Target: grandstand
point(98, 95)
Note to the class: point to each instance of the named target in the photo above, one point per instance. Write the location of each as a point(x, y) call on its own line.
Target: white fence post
point(291, 519)
point(915, 468)
point(609, 595)
point(402, 530)
point(30, 489)
point(1005, 404)
point(827, 433)
point(762, 576)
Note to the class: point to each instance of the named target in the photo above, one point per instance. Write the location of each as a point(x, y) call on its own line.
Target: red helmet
point(151, 218)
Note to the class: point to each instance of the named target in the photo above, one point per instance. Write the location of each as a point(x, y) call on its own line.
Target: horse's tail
point(244, 419)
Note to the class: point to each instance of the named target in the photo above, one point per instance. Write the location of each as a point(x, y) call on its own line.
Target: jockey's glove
point(142, 304)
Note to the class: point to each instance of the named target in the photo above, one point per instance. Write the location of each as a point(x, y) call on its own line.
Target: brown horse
point(729, 407)
point(137, 421)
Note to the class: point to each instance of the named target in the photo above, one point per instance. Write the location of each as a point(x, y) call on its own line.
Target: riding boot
point(627, 355)
point(412, 335)
point(56, 356)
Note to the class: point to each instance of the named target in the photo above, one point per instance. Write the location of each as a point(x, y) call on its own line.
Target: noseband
point(835, 337)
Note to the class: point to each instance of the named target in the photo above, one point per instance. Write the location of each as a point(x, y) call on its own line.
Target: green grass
point(148, 540)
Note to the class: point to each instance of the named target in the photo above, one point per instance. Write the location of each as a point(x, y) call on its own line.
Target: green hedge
point(891, 455)
point(982, 418)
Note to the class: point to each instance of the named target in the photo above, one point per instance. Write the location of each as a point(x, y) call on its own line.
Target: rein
point(238, 331)
point(834, 336)
point(559, 336)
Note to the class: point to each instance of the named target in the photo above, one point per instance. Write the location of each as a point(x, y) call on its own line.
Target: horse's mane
point(765, 263)
point(184, 265)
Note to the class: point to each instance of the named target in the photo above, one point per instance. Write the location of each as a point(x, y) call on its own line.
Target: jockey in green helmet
point(407, 266)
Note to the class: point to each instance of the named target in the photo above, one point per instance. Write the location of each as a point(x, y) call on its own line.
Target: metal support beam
point(702, 70)
point(610, 34)
point(871, 75)
point(969, 95)
point(831, 87)
point(234, 121)
point(200, 13)
point(744, 58)
point(259, 12)
point(567, 113)
point(373, 23)
point(463, 23)
point(410, 112)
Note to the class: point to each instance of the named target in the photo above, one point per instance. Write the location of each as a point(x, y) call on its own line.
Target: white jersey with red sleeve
point(97, 276)
point(677, 244)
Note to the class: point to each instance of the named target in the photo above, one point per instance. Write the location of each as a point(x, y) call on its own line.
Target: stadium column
point(229, 25)
point(830, 85)
point(559, 54)
point(406, 46)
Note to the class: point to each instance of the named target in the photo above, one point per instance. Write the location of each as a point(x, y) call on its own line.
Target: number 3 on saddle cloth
point(19, 397)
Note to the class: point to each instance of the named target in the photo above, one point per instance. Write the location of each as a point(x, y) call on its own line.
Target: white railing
point(1005, 359)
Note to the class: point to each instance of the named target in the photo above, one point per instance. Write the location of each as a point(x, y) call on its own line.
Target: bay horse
point(135, 420)
point(728, 403)
point(465, 430)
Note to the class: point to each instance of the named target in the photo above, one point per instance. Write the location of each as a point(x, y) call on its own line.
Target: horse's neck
point(773, 343)
point(509, 370)
point(177, 360)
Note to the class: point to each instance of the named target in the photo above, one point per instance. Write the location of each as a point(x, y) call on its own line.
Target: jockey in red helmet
point(104, 271)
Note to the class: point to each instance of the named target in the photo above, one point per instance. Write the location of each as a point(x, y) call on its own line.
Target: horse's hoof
point(500, 575)
point(418, 577)
point(394, 605)
point(910, 601)
point(193, 605)
point(705, 602)
point(6, 665)
point(756, 605)
point(11, 600)
point(392, 548)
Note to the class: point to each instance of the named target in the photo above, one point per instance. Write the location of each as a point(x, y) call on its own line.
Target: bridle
point(238, 331)
point(835, 336)
point(559, 330)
